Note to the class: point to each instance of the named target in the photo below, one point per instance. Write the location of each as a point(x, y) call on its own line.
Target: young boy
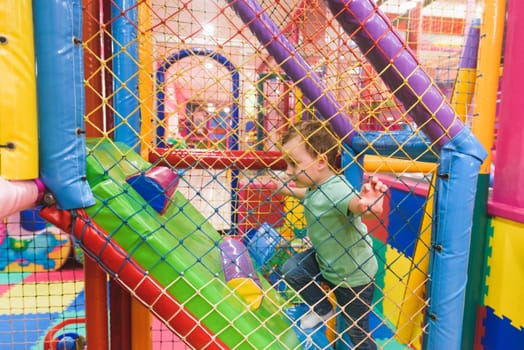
point(341, 255)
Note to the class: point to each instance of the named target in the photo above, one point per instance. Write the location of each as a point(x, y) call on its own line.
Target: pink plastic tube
point(19, 195)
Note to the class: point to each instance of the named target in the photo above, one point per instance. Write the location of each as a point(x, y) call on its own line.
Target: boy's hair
point(319, 139)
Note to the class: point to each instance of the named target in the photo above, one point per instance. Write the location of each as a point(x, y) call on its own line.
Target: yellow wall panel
point(18, 111)
point(505, 281)
point(395, 281)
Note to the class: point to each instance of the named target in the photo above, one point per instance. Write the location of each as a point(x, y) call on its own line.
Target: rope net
point(186, 107)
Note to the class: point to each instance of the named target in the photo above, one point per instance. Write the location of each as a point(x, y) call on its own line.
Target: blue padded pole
point(125, 67)
point(61, 102)
point(460, 161)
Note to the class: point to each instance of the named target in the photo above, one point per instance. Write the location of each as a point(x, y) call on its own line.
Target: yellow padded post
point(18, 111)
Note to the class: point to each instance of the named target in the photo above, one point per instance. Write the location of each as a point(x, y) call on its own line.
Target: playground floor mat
point(33, 304)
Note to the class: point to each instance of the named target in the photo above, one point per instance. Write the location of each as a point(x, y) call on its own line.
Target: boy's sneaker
point(312, 319)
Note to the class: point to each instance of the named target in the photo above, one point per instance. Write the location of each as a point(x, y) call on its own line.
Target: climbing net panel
point(186, 106)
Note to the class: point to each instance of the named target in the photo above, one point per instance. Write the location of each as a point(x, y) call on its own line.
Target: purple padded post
point(374, 34)
point(272, 39)
point(372, 31)
point(471, 47)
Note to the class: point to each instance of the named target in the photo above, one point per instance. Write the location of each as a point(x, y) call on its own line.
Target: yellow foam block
point(395, 281)
point(374, 163)
point(249, 290)
point(294, 218)
point(505, 281)
point(409, 326)
point(401, 296)
point(18, 111)
point(331, 326)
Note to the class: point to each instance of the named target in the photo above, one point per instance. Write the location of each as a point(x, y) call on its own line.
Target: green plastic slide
point(179, 249)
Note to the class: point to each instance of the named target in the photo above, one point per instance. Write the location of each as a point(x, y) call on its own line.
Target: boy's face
point(302, 168)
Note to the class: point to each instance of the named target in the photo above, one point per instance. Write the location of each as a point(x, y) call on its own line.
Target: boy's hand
point(372, 197)
point(373, 188)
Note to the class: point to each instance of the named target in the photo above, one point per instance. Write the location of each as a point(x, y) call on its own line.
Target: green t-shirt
point(344, 250)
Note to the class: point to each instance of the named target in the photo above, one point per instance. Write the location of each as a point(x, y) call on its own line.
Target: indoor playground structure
point(138, 140)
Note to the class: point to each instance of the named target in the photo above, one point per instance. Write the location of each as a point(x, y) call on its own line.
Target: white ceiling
point(441, 8)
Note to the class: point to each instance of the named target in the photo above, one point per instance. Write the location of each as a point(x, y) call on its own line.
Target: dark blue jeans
point(301, 272)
